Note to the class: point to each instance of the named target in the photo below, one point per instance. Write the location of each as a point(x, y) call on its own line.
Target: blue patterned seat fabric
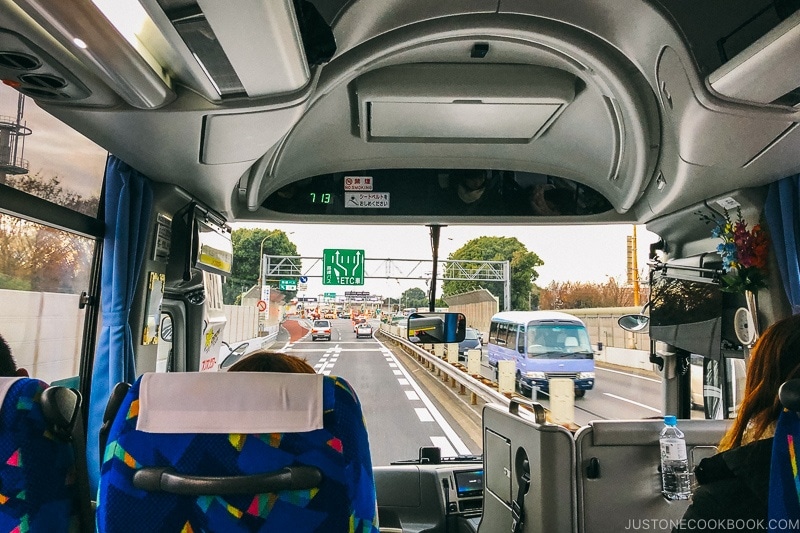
point(37, 470)
point(343, 502)
point(784, 480)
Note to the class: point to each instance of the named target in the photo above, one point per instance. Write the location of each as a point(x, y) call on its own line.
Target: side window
point(493, 333)
point(44, 270)
point(521, 340)
point(502, 334)
point(511, 340)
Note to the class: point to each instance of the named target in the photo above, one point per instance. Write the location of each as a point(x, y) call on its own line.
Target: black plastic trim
point(168, 480)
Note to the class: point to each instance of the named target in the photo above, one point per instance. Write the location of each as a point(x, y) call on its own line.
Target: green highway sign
point(330, 295)
point(288, 284)
point(342, 267)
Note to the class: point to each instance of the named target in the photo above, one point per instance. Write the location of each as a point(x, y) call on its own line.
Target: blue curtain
point(782, 212)
point(128, 203)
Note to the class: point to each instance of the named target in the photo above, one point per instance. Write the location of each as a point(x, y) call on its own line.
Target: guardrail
point(453, 374)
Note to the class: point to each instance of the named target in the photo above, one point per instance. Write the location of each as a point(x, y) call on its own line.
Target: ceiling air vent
point(18, 61)
point(43, 81)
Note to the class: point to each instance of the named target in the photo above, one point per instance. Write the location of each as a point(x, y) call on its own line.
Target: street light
point(261, 260)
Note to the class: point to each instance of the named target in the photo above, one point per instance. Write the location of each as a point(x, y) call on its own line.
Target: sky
point(570, 253)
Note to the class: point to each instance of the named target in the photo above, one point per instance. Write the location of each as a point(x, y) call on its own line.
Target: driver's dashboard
point(435, 498)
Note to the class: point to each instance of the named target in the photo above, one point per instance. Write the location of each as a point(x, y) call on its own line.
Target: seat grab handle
point(155, 479)
point(536, 408)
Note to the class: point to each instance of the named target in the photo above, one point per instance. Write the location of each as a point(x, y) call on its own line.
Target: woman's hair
point(774, 359)
point(266, 361)
point(8, 368)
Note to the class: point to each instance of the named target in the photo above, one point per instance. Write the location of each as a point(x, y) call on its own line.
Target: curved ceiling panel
point(601, 129)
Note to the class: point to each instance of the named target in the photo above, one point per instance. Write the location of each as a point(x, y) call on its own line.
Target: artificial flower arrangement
point(744, 252)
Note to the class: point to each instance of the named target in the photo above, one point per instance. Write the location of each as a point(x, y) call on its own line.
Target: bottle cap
point(670, 420)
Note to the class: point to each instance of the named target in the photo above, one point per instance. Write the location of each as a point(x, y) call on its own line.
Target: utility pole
point(635, 273)
point(435, 231)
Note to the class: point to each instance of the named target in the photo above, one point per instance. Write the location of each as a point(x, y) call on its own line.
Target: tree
point(38, 258)
point(415, 297)
point(246, 260)
point(582, 295)
point(522, 262)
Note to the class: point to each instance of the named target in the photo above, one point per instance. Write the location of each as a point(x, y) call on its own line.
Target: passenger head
point(8, 368)
point(774, 359)
point(266, 361)
point(471, 185)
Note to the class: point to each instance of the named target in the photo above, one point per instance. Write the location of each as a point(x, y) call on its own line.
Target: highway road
point(404, 408)
point(400, 416)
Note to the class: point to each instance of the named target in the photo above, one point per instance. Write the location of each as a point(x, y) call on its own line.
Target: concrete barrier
point(625, 357)
point(474, 362)
point(562, 401)
point(507, 376)
point(452, 352)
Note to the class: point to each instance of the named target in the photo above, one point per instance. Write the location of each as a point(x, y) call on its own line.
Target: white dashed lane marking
point(423, 414)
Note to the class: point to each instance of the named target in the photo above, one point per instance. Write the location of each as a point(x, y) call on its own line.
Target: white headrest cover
point(230, 402)
point(5, 385)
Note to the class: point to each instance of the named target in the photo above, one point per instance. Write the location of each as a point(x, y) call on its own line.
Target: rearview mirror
point(634, 323)
point(437, 328)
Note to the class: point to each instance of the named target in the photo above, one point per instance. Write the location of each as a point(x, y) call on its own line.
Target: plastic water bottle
point(676, 479)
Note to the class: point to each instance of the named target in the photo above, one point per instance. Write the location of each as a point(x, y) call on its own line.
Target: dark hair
point(774, 359)
point(266, 361)
point(8, 368)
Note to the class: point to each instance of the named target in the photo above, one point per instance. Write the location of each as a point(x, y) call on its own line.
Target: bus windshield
point(551, 341)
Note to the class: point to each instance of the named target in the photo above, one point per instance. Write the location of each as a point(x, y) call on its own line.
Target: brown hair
point(774, 359)
point(266, 361)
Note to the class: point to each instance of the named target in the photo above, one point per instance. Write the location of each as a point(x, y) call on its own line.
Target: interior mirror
point(634, 323)
point(436, 328)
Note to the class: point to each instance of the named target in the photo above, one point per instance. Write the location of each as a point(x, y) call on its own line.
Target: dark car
point(471, 341)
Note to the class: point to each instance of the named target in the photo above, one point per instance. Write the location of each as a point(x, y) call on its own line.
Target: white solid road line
point(596, 368)
point(443, 444)
point(633, 402)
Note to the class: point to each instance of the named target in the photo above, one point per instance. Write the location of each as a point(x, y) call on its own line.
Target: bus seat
point(238, 451)
point(38, 482)
point(570, 342)
point(522, 452)
point(783, 504)
point(625, 453)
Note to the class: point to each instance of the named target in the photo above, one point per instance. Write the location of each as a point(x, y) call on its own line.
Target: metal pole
point(507, 286)
point(435, 232)
point(635, 273)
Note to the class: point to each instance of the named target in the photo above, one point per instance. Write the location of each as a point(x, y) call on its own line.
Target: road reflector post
point(452, 352)
point(438, 350)
point(506, 376)
point(562, 401)
point(474, 362)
